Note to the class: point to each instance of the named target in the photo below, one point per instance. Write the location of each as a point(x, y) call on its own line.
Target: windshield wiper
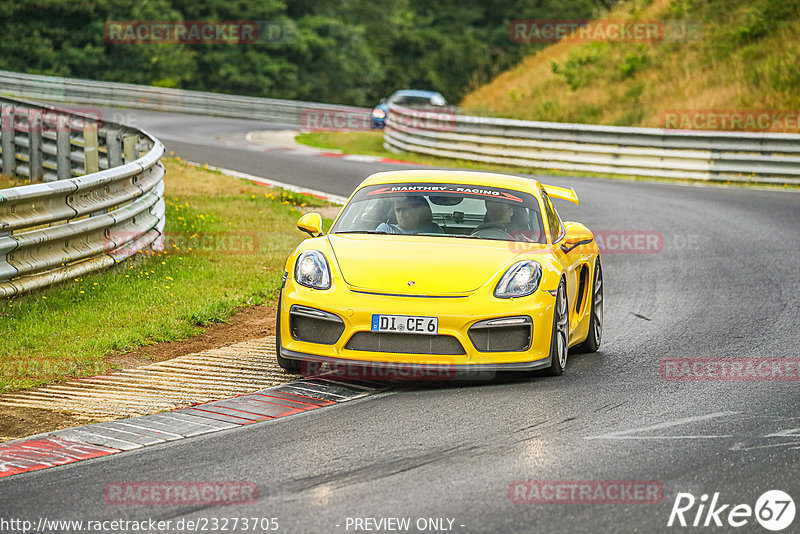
point(362, 232)
point(426, 234)
point(459, 236)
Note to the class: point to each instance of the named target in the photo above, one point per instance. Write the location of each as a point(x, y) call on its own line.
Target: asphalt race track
point(723, 283)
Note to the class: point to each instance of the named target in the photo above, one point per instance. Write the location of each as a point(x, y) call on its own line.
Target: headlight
point(378, 113)
point(521, 279)
point(311, 270)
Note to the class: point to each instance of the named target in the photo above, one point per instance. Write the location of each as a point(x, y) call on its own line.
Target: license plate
point(405, 324)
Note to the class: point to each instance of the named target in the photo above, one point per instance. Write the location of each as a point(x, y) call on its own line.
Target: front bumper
point(412, 368)
point(456, 315)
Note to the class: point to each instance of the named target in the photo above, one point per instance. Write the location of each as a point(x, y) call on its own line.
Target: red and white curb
point(366, 159)
point(284, 141)
point(101, 439)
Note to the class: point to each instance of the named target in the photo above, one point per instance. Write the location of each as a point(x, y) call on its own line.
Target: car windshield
point(407, 100)
point(443, 210)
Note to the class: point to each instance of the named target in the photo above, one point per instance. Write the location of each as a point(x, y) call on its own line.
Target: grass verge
point(226, 244)
point(7, 181)
point(371, 144)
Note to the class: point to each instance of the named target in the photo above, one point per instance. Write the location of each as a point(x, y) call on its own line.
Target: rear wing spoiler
point(562, 193)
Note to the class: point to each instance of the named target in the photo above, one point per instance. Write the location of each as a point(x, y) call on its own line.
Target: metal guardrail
point(688, 154)
point(95, 198)
point(96, 93)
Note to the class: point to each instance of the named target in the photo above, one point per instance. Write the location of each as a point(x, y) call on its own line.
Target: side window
point(553, 222)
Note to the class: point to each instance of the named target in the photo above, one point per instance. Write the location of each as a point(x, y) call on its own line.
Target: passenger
point(504, 221)
point(414, 216)
point(498, 213)
point(497, 220)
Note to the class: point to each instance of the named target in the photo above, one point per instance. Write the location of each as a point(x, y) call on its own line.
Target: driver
point(413, 217)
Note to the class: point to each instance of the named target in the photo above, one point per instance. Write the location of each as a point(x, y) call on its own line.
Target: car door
point(568, 257)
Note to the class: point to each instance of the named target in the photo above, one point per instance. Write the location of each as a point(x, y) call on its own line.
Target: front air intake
point(314, 326)
point(505, 334)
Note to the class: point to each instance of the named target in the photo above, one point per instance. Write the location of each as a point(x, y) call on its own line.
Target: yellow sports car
point(444, 270)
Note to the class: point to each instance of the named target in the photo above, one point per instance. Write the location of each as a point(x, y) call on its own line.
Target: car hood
point(435, 265)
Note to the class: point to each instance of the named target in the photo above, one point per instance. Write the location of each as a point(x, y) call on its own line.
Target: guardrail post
point(114, 148)
point(35, 156)
point(129, 147)
point(91, 157)
point(9, 150)
point(7, 271)
point(63, 148)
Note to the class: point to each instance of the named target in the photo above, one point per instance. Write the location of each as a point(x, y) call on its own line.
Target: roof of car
point(415, 92)
point(506, 181)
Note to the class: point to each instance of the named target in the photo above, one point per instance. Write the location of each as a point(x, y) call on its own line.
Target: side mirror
point(311, 223)
point(576, 233)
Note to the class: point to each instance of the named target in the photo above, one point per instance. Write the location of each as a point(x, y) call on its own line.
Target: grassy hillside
point(746, 58)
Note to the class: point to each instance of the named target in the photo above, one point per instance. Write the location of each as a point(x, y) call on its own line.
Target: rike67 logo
point(774, 510)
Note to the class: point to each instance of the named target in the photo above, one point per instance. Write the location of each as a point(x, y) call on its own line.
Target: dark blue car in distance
point(412, 98)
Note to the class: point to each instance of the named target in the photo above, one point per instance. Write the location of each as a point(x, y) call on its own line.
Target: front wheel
point(559, 340)
point(592, 342)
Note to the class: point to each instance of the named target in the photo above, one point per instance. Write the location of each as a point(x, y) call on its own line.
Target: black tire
point(293, 366)
point(592, 342)
point(559, 339)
